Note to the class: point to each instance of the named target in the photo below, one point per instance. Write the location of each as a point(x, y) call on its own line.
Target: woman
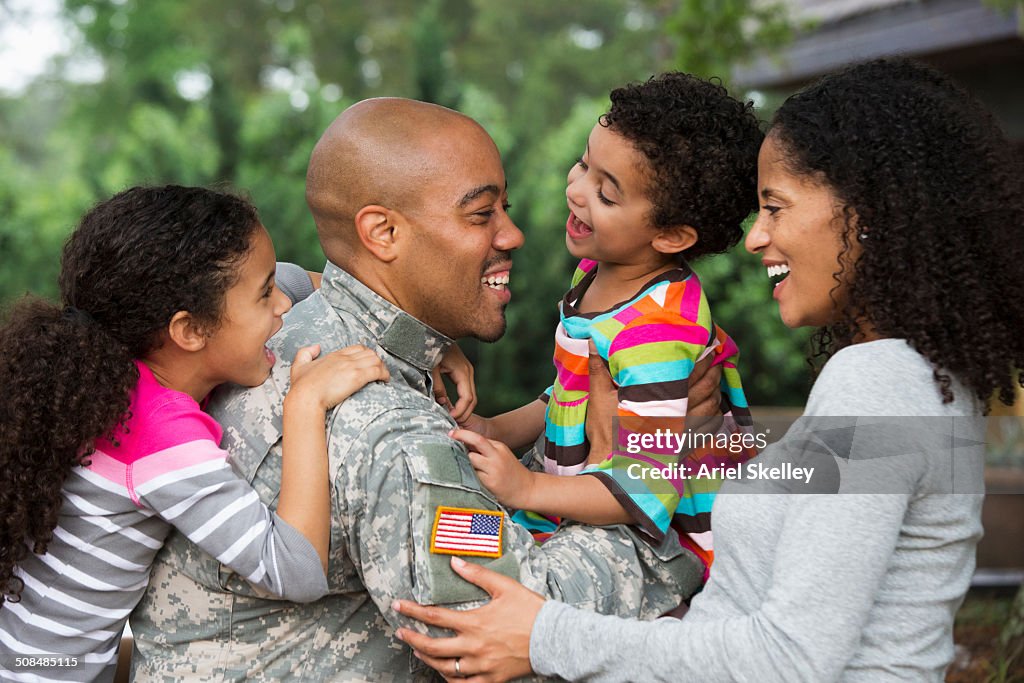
point(895, 205)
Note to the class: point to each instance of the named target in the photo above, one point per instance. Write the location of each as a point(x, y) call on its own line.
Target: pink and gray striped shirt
point(164, 468)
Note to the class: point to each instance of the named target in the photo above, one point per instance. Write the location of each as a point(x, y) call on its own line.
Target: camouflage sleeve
point(411, 476)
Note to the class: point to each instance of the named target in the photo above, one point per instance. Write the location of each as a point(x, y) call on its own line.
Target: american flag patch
point(460, 531)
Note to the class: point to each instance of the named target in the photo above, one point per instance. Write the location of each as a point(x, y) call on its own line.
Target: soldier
point(410, 205)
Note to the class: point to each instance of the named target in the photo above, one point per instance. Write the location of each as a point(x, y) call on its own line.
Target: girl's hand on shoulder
point(455, 364)
point(498, 469)
point(326, 381)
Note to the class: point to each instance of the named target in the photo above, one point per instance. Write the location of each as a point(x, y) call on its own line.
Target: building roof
point(849, 31)
point(835, 10)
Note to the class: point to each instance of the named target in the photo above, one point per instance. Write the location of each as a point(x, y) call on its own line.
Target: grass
point(979, 658)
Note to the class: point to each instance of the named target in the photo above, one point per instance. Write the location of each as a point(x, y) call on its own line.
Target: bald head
point(381, 151)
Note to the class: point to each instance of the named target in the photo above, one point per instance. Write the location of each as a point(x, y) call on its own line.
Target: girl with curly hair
point(891, 210)
point(668, 176)
point(166, 293)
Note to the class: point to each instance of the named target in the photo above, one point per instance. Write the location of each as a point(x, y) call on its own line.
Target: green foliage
point(276, 140)
point(238, 91)
point(710, 43)
point(149, 150)
point(1011, 640)
point(431, 58)
point(41, 194)
point(1009, 7)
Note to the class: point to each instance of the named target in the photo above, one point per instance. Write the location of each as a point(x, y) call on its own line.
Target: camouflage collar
point(396, 331)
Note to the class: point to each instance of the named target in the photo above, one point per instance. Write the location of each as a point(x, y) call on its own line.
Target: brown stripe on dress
point(695, 524)
point(656, 391)
point(566, 456)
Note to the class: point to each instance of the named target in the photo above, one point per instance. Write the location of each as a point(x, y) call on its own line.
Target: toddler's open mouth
point(576, 228)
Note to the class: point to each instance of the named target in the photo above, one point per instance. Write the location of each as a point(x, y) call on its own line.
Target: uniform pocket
point(443, 478)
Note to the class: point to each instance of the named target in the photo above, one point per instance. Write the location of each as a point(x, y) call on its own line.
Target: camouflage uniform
point(391, 465)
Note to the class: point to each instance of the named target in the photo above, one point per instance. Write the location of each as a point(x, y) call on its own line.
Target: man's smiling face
point(462, 238)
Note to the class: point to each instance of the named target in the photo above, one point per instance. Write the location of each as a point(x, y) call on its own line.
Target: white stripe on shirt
point(230, 511)
point(73, 602)
point(55, 627)
point(178, 476)
point(128, 532)
point(98, 553)
point(83, 579)
point(184, 506)
point(238, 546)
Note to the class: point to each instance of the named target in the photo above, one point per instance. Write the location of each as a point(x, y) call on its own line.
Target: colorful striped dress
point(165, 469)
point(651, 343)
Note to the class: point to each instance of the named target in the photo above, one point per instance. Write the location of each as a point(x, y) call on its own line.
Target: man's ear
point(675, 239)
point(185, 333)
point(376, 228)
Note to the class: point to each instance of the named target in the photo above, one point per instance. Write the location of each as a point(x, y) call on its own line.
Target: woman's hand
point(704, 399)
point(602, 408)
point(455, 364)
point(491, 643)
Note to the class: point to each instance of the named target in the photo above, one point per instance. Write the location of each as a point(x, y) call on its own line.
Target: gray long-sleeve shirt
point(816, 587)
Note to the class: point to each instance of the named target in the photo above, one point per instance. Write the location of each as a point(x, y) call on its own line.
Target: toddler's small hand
point(498, 468)
point(474, 423)
point(455, 364)
point(331, 379)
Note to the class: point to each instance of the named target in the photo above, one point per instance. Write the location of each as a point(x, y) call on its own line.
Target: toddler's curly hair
point(701, 145)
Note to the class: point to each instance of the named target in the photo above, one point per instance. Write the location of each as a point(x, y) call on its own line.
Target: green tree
point(709, 42)
point(431, 58)
point(238, 91)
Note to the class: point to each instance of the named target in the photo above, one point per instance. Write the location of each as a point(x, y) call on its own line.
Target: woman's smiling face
point(798, 235)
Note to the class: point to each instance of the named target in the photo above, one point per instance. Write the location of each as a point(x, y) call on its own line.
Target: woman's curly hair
point(934, 194)
point(67, 371)
point(701, 146)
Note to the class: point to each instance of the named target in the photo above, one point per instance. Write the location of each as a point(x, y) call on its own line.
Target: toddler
point(668, 175)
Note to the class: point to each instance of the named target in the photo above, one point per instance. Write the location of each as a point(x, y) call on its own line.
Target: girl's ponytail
point(65, 382)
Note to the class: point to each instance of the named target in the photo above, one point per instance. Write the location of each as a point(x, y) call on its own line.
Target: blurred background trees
point(238, 91)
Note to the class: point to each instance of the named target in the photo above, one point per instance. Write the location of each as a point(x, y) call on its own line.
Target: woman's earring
point(862, 236)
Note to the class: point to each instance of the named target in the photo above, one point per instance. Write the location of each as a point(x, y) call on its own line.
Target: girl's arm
point(188, 482)
point(516, 428)
point(317, 386)
point(584, 499)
